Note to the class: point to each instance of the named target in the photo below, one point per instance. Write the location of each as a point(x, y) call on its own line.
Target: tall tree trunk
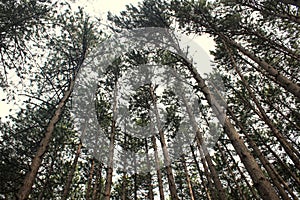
point(109, 171)
point(158, 171)
point(220, 190)
point(167, 160)
point(253, 191)
point(268, 166)
point(157, 163)
point(275, 177)
point(207, 190)
point(284, 166)
point(150, 186)
point(97, 190)
point(37, 160)
point(283, 81)
point(88, 189)
point(231, 173)
point(71, 174)
point(262, 184)
point(289, 149)
point(207, 174)
point(187, 176)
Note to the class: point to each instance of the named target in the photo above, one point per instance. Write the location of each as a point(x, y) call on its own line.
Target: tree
point(22, 23)
point(85, 33)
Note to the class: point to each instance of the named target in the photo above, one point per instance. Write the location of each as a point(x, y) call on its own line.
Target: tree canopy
point(153, 126)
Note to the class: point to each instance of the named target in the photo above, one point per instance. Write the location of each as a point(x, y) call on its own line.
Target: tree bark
point(231, 173)
point(207, 190)
point(88, 192)
point(167, 160)
point(289, 149)
point(283, 81)
point(71, 174)
point(220, 190)
point(37, 160)
point(150, 186)
point(207, 174)
point(264, 187)
point(188, 180)
point(158, 171)
point(253, 191)
point(275, 177)
point(109, 171)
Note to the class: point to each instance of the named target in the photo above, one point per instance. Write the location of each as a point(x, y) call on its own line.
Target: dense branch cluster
point(163, 129)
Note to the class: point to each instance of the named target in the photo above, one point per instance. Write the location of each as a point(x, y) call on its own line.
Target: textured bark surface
point(203, 181)
point(88, 189)
point(37, 160)
point(187, 176)
point(260, 181)
point(163, 143)
point(158, 171)
point(281, 80)
point(220, 190)
point(150, 186)
point(289, 149)
point(71, 174)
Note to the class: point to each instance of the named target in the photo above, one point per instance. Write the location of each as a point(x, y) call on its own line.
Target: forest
point(119, 108)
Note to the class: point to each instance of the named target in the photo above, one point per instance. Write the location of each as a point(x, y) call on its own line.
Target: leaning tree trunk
point(208, 190)
point(88, 189)
point(289, 149)
point(281, 80)
point(150, 186)
point(231, 173)
point(220, 190)
point(167, 160)
point(253, 191)
point(187, 176)
point(109, 171)
point(71, 174)
point(158, 171)
point(260, 181)
point(37, 159)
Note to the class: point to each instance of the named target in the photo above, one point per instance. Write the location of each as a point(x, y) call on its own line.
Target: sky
point(100, 8)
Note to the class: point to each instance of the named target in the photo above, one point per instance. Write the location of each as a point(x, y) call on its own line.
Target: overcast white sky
point(100, 8)
point(103, 6)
